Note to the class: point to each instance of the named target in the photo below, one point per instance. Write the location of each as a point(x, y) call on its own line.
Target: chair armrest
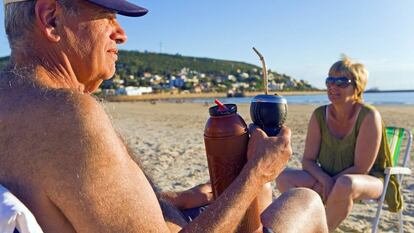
point(397, 170)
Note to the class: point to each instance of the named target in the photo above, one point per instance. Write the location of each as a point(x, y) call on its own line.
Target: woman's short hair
point(356, 72)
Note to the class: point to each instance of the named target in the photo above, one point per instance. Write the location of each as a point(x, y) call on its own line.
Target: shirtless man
point(60, 155)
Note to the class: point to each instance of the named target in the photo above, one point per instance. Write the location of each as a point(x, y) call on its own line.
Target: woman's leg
point(264, 198)
point(292, 178)
point(348, 188)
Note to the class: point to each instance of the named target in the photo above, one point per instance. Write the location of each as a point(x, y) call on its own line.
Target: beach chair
point(14, 215)
point(395, 137)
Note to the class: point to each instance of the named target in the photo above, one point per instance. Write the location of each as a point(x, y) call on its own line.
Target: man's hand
point(268, 155)
point(197, 196)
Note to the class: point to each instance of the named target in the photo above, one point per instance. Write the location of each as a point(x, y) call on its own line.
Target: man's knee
point(307, 193)
point(295, 200)
point(308, 197)
point(297, 210)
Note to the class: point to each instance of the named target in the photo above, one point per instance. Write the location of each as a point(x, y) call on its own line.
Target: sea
point(374, 98)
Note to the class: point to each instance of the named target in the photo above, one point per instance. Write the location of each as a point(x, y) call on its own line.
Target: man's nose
point(118, 34)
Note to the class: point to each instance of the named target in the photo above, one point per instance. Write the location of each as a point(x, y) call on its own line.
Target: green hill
point(3, 62)
point(139, 64)
point(136, 62)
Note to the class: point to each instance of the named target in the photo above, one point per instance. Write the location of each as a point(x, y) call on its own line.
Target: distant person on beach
point(345, 151)
point(61, 156)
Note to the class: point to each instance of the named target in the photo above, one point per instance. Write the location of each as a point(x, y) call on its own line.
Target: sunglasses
point(342, 82)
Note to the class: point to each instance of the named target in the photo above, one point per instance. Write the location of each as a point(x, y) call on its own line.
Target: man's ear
point(46, 16)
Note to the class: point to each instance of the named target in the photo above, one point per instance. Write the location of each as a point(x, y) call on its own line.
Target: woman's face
point(340, 89)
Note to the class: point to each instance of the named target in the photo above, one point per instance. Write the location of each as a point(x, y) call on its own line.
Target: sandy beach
point(168, 139)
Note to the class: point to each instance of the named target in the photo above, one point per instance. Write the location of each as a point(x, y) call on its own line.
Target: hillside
point(165, 71)
point(133, 62)
point(136, 62)
point(3, 62)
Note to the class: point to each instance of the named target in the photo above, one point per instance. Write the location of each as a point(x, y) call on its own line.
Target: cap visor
point(122, 7)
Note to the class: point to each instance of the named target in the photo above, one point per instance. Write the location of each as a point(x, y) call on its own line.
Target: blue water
point(384, 98)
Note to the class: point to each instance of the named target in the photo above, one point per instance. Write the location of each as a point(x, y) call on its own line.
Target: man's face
point(90, 41)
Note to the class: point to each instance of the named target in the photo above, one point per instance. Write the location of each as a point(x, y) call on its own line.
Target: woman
point(346, 150)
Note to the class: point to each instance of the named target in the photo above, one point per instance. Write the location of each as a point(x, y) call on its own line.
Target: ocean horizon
point(374, 98)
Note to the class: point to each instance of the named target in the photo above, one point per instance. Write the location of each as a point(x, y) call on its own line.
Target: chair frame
point(400, 171)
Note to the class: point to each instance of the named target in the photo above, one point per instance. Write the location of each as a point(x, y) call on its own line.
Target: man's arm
point(98, 188)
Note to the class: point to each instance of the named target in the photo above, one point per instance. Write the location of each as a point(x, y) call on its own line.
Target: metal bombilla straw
point(264, 70)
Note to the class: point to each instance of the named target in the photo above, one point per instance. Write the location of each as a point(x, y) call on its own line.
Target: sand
point(168, 139)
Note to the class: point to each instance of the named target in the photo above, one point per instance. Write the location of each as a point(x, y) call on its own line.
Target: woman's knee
point(282, 181)
point(344, 186)
point(292, 178)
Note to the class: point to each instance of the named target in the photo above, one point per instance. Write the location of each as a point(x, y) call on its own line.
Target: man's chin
point(109, 74)
point(93, 87)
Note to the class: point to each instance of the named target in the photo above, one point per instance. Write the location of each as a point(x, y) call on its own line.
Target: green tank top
point(336, 155)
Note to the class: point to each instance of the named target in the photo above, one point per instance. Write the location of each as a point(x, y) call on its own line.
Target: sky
point(300, 38)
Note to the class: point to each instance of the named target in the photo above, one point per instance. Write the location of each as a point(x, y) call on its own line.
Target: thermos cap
point(270, 99)
point(217, 111)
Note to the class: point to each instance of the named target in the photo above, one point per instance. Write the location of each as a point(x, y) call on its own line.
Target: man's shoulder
point(77, 131)
point(69, 104)
point(56, 130)
point(63, 120)
point(74, 114)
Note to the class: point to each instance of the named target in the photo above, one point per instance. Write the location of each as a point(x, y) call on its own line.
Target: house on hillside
point(197, 89)
point(273, 86)
point(133, 91)
point(231, 78)
point(147, 75)
point(244, 75)
point(176, 82)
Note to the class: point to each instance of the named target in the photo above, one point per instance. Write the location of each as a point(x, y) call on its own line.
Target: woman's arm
point(312, 147)
point(367, 145)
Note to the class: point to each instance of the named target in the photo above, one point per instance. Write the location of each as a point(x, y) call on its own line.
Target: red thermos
point(226, 138)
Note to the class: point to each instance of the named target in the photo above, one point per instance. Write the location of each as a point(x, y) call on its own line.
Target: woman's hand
point(327, 184)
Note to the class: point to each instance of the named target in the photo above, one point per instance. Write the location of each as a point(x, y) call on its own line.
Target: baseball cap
point(122, 7)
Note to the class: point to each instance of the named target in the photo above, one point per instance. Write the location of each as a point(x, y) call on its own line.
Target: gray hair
point(19, 22)
point(19, 18)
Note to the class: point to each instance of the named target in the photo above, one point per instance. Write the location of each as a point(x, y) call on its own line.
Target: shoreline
point(167, 96)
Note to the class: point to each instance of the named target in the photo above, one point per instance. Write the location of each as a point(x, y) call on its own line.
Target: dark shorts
point(190, 214)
